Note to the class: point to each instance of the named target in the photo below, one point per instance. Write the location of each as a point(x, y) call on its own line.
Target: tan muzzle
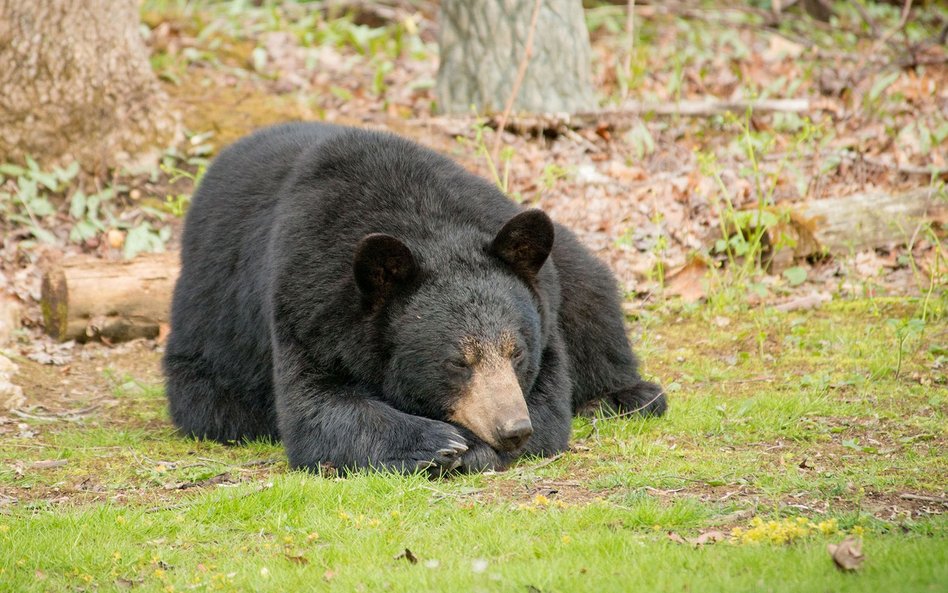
point(493, 407)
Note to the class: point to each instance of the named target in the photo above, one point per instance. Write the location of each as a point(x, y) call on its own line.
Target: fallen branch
point(923, 498)
point(87, 298)
point(630, 113)
point(623, 117)
point(856, 222)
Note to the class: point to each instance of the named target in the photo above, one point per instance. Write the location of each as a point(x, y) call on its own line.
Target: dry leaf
point(295, 557)
point(676, 538)
point(708, 537)
point(847, 554)
point(687, 281)
point(705, 538)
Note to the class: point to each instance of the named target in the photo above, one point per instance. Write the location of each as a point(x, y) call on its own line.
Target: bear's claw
point(454, 448)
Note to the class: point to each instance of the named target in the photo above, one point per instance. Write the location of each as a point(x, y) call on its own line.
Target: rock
point(10, 313)
point(11, 396)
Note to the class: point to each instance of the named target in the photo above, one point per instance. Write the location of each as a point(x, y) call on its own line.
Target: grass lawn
point(786, 432)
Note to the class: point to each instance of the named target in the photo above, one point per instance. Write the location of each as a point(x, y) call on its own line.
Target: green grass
point(776, 416)
point(306, 533)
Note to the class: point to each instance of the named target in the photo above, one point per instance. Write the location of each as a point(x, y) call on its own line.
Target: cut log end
point(54, 301)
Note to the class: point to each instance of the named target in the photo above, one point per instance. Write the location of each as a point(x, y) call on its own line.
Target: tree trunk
point(76, 83)
point(483, 41)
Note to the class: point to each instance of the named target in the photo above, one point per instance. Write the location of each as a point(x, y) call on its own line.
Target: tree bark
point(483, 41)
point(87, 298)
point(76, 83)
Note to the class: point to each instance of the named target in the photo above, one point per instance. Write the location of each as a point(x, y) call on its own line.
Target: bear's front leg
point(324, 421)
point(550, 415)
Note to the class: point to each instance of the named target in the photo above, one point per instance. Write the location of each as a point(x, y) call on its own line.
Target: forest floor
point(807, 393)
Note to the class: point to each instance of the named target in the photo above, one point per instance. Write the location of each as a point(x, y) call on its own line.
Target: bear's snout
point(493, 407)
point(514, 434)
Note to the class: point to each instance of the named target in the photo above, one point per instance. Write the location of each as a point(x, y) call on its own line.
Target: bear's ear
point(525, 242)
point(382, 264)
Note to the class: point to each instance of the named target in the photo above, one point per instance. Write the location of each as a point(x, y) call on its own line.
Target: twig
point(763, 379)
point(923, 498)
point(855, 157)
point(544, 463)
point(630, 29)
point(866, 18)
point(521, 72)
point(257, 489)
point(261, 462)
point(68, 415)
point(49, 463)
point(906, 9)
point(595, 419)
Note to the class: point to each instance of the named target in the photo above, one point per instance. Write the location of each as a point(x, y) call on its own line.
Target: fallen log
point(628, 114)
point(87, 298)
point(632, 112)
point(839, 226)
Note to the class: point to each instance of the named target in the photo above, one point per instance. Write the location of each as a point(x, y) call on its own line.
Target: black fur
point(328, 275)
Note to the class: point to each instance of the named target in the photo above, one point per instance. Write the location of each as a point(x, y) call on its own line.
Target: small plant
point(25, 194)
point(479, 145)
point(658, 250)
point(905, 330)
point(641, 140)
point(750, 238)
point(551, 174)
point(39, 201)
point(177, 204)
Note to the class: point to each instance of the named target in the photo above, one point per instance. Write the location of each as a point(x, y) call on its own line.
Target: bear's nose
point(514, 433)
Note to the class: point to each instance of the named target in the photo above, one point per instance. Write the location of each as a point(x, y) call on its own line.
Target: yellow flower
point(783, 531)
point(828, 527)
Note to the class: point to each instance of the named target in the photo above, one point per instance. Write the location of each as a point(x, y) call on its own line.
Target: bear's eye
point(518, 355)
point(457, 364)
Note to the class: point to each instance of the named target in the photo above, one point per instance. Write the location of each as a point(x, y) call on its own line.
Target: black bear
point(373, 305)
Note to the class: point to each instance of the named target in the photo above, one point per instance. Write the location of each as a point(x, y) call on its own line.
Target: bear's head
point(462, 343)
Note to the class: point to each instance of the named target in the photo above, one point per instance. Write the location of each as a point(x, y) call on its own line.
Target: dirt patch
point(86, 374)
